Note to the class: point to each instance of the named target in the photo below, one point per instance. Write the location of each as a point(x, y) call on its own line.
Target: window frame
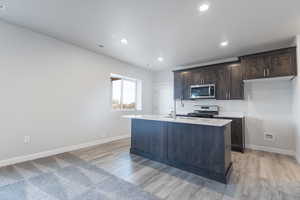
point(122, 78)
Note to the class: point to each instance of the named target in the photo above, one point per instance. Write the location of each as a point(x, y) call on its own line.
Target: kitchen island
point(200, 146)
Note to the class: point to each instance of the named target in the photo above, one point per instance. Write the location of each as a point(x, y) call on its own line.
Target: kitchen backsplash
point(238, 108)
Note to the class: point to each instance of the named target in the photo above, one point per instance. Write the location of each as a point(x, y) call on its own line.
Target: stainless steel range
point(205, 111)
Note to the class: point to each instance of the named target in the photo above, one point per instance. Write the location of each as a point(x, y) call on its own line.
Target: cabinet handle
point(264, 72)
point(268, 72)
point(229, 95)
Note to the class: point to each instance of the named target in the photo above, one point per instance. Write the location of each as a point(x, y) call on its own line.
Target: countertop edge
point(182, 121)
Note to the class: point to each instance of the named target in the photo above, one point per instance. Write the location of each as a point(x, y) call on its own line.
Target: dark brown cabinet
point(230, 84)
point(237, 133)
point(182, 82)
point(255, 66)
point(223, 83)
point(229, 77)
point(197, 77)
point(184, 79)
point(178, 85)
point(283, 63)
point(203, 76)
point(270, 64)
point(236, 82)
point(187, 82)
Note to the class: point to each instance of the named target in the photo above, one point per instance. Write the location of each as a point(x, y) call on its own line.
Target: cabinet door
point(178, 85)
point(187, 82)
point(237, 134)
point(223, 83)
point(283, 63)
point(197, 77)
point(149, 137)
point(209, 76)
point(255, 66)
point(237, 84)
point(204, 76)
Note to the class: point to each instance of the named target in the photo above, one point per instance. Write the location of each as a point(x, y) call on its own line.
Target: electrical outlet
point(269, 136)
point(26, 139)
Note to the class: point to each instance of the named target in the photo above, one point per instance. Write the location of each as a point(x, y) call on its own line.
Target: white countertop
point(223, 114)
point(184, 120)
point(230, 115)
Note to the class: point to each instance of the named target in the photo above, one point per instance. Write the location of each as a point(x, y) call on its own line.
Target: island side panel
point(149, 139)
point(227, 139)
point(197, 146)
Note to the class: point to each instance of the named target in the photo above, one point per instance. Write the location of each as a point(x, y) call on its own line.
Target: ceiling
point(172, 29)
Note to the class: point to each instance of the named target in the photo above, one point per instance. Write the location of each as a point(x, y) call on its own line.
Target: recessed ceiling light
point(160, 59)
point(124, 41)
point(224, 43)
point(204, 7)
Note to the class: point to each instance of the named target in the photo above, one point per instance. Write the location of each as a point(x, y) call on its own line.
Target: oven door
point(202, 91)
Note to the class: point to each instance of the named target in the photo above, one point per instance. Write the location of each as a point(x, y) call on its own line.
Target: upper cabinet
point(228, 80)
point(182, 82)
point(229, 77)
point(230, 84)
point(178, 85)
point(204, 76)
point(270, 64)
point(236, 82)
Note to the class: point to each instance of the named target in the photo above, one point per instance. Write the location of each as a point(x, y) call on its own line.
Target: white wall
point(267, 107)
point(296, 103)
point(57, 93)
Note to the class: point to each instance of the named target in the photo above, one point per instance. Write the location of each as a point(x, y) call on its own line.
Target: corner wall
point(296, 102)
point(58, 94)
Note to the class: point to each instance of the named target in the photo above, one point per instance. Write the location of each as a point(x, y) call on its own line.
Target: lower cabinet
point(237, 133)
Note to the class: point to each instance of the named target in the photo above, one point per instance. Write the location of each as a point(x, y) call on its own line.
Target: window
point(124, 93)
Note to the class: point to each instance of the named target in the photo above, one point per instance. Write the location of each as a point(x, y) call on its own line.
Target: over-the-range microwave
point(205, 91)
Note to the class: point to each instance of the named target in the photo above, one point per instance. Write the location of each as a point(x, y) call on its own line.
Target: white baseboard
point(271, 149)
point(53, 152)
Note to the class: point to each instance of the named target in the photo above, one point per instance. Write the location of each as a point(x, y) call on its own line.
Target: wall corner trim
point(53, 152)
point(271, 150)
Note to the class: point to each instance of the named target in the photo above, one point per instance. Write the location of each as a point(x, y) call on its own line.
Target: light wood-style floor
point(256, 175)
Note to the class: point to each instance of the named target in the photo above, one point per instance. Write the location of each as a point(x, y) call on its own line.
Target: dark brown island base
point(200, 146)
